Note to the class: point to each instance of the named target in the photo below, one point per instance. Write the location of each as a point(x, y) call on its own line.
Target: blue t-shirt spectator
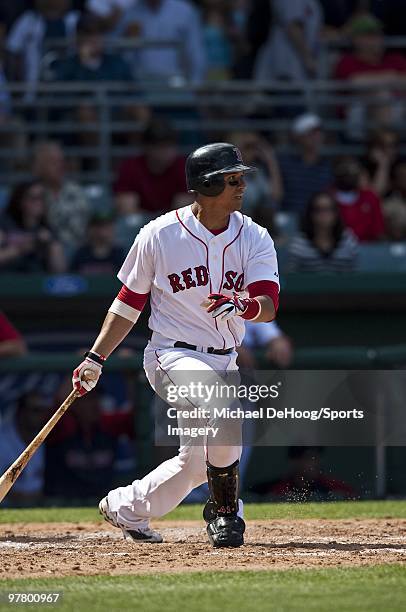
point(301, 180)
point(218, 50)
point(304, 171)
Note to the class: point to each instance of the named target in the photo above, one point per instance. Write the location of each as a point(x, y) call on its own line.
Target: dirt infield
point(62, 549)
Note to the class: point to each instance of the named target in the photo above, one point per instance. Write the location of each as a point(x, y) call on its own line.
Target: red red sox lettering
point(199, 276)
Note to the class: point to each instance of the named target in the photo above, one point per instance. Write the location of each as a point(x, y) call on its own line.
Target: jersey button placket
point(214, 264)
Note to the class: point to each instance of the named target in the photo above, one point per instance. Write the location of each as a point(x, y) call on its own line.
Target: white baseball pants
point(166, 486)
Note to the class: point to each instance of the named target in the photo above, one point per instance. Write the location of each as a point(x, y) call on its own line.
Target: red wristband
point(252, 310)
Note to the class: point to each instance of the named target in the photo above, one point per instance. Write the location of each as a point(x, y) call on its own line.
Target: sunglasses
point(234, 181)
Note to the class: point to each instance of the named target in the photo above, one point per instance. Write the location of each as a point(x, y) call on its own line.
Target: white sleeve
point(262, 264)
point(138, 269)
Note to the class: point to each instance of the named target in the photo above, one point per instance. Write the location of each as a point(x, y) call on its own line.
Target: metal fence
point(199, 113)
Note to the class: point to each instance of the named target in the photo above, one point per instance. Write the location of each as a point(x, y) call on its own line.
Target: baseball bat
point(10, 476)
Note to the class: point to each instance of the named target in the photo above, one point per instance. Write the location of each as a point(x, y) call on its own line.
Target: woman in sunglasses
point(324, 244)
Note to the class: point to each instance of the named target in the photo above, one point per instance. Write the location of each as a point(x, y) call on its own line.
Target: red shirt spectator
point(351, 66)
point(11, 342)
point(377, 74)
point(363, 214)
point(155, 192)
point(152, 181)
point(7, 330)
point(360, 208)
point(369, 62)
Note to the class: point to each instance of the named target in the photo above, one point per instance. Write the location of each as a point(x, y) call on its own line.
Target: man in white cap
point(304, 171)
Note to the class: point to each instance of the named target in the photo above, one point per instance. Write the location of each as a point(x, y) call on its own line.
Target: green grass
point(371, 589)
point(331, 510)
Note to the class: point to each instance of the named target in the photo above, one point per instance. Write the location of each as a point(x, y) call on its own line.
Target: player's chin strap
point(223, 486)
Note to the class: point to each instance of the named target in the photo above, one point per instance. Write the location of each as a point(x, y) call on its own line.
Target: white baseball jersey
point(179, 261)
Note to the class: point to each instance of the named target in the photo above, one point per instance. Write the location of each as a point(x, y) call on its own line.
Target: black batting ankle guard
point(223, 487)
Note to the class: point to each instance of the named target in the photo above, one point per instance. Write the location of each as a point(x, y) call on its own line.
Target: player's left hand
point(224, 307)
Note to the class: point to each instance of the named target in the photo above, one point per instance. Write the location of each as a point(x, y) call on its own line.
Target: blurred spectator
point(394, 206)
point(153, 182)
point(27, 244)
point(257, 29)
point(324, 244)
point(264, 190)
point(381, 156)
point(305, 480)
point(11, 341)
point(30, 416)
point(116, 400)
point(67, 206)
point(49, 21)
point(90, 62)
point(217, 30)
point(240, 15)
point(268, 338)
point(376, 73)
point(166, 20)
point(13, 132)
point(109, 11)
point(99, 255)
point(80, 464)
point(306, 171)
point(360, 208)
point(290, 53)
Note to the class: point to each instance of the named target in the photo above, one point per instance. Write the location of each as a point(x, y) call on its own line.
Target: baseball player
point(206, 268)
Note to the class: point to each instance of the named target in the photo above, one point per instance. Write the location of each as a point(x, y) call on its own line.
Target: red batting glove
point(225, 307)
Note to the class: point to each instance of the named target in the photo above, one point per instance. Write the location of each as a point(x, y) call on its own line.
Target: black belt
point(210, 349)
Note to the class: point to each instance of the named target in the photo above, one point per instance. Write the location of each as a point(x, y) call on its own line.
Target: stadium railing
point(197, 112)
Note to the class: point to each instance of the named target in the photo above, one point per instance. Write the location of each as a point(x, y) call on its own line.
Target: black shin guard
point(223, 486)
point(224, 527)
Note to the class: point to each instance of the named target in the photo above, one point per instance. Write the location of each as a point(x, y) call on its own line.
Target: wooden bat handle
point(10, 476)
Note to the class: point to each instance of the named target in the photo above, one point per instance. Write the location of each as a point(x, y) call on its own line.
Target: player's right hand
point(86, 375)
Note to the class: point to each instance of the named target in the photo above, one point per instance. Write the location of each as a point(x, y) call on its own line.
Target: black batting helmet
point(205, 167)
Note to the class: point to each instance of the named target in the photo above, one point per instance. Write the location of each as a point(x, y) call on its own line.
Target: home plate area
point(62, 549)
